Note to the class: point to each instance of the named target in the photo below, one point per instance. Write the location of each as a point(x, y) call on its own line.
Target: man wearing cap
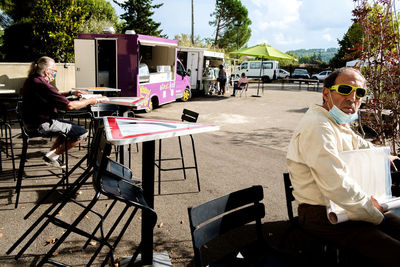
point(318, 174)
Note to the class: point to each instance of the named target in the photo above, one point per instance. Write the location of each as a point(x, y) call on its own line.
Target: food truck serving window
point(160, 58)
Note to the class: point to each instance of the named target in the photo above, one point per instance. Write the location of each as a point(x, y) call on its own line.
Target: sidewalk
point(249, 149)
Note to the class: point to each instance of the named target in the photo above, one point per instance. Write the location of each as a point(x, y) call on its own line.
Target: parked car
point(322, 75)
point(282, 74)
point(300, 73)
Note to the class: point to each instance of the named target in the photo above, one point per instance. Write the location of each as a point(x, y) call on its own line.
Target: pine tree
point(138, 17)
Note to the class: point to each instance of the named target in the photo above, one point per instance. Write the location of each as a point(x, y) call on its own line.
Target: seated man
point(41, 101)
point(318, 174)
point(242, 84)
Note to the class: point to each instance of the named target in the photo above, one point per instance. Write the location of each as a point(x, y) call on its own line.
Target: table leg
point(148, 158)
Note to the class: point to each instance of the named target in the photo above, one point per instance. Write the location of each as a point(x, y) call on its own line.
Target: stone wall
point(13, 75)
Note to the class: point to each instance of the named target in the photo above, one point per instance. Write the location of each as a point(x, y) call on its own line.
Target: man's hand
point(79, 93)
point(376, 204)
point(392, 159)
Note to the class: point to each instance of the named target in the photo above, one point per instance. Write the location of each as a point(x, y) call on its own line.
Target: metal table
point(124, 131)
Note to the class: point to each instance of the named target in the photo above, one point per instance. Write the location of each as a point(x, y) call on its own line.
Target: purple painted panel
point(128, 65)
point(164, 92)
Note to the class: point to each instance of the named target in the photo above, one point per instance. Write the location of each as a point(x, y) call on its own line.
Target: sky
point(283, 24)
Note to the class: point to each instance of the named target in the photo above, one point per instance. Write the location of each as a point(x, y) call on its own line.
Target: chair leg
point(73, 189)
point(99, 225)
point(195, 163)
point(67, 232)
point(21, 169)
point(123, 230)
point(159, 167)
point(112, 229)
point(12, 150)
point(183, 160)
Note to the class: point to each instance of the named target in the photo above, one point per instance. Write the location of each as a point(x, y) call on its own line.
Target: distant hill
point(324, 54)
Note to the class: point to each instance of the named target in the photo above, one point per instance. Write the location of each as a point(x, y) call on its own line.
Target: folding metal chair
point(112, 180)
point(188, 116)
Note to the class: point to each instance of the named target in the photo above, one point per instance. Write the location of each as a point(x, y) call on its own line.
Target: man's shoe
point(54, 163)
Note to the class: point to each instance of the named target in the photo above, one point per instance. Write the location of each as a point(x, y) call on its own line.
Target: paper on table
point(370, 170)
point(98, 96)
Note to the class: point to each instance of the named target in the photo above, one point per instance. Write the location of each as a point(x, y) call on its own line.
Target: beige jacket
point(318, 174)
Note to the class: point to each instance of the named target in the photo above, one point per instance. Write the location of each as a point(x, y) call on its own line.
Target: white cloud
point(327, 37)
point(271, 15)
point(281, 39)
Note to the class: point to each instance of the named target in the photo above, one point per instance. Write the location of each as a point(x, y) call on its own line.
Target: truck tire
point(187, 94)
point(152, 104)
point(266, 79)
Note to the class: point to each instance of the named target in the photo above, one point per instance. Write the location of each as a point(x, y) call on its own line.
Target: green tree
point(49, 26)
point(99, 14)
point(186, 40)
point(231, 23)
point(380, 57)
point(349, 46)
point(138, 17)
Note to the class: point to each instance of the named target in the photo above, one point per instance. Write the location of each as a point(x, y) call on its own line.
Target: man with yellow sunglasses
point(318, 174)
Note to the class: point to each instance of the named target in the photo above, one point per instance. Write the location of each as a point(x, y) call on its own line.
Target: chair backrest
point(24, 132)
point(216, 217)
point(289, 195)
point(104, 109)
point(189, 116)
point(243, 85)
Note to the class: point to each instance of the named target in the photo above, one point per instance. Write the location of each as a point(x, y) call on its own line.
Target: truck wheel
point(266, 79)
point(150, 107)
point(186, 95)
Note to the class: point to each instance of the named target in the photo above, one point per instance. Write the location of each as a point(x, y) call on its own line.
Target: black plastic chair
point(220, 217)
point(312, 248)
point(188, 116)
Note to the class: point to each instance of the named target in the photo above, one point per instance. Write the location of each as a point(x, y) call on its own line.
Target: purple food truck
point(140, 65)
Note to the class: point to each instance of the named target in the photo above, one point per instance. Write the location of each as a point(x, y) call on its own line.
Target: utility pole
point(192, 24)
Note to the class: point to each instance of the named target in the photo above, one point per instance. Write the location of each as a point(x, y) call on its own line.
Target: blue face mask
point(53, 77)
point(341, 117)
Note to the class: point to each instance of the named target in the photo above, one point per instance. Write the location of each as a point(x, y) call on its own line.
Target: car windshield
point(300, 71)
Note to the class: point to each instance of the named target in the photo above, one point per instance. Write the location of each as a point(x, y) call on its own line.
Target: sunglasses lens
point(344, 89)
point(361, 92)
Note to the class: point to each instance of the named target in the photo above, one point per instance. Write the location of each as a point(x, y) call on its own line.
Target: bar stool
point(26, 137)
point(188, 116)
point(6, 109)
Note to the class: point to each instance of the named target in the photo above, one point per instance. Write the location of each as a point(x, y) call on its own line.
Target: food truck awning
point(156, 41)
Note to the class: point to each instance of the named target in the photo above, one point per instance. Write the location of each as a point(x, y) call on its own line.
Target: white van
point(252, 69)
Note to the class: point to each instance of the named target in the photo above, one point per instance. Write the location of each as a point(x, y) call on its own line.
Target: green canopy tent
point(263, 51)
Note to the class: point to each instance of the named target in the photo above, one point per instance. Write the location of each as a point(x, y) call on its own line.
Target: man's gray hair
point(40, 65)
point(330, 80)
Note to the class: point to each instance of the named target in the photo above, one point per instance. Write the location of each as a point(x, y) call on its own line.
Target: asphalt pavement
point(249, 149)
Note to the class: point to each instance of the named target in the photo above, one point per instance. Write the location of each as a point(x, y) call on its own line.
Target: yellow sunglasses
point(345, 89)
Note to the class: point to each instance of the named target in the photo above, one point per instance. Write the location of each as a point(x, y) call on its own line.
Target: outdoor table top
point(7, 91)
point(123, 130)
point(124, 101)
point(98, 89)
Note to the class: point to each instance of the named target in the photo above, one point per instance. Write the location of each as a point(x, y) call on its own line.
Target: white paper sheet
point(370, 169)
